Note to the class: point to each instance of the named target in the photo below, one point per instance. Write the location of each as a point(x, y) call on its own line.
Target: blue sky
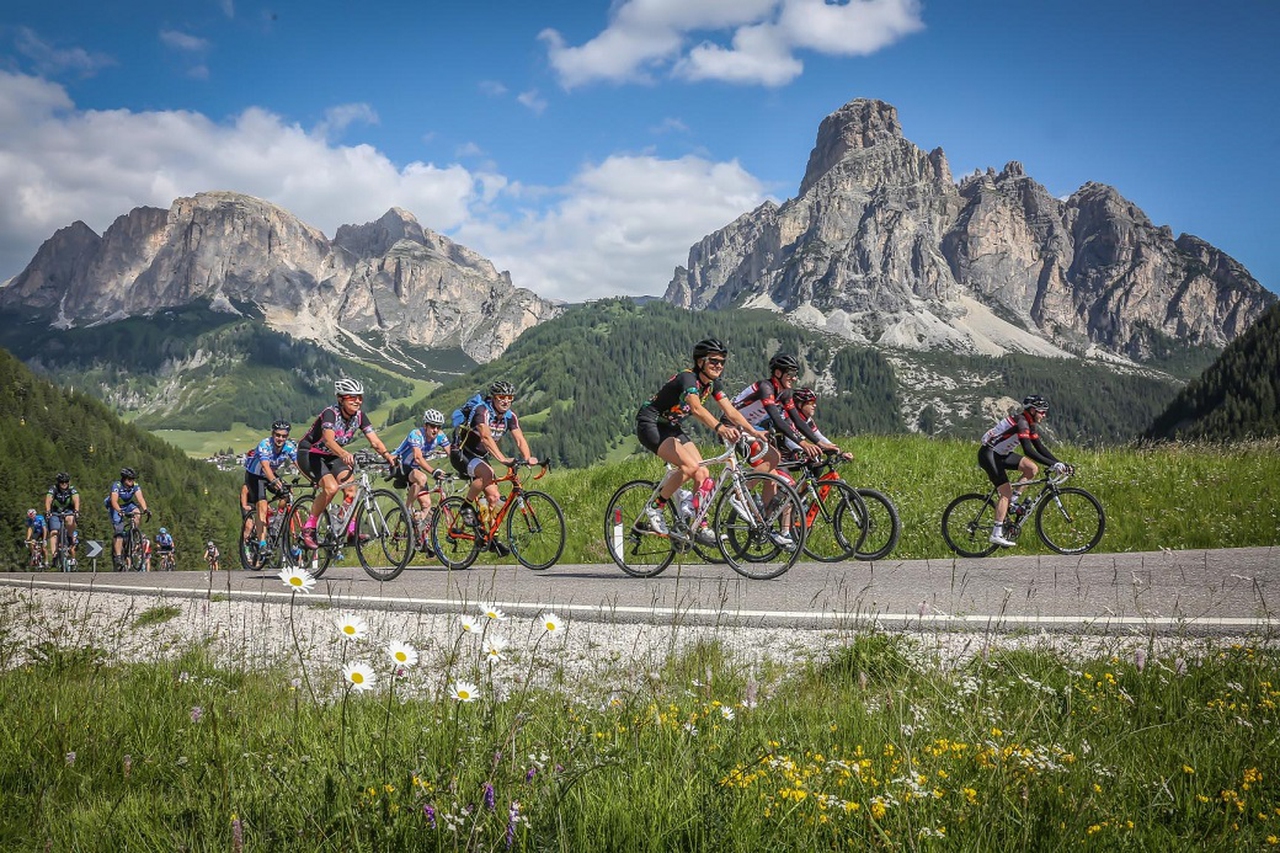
point(585, 146)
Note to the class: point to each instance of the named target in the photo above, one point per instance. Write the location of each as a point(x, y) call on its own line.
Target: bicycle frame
point(729, 458)
point(509, 500)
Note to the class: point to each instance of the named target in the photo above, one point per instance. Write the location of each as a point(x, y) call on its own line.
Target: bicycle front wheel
point(384, 535)
point(455, 540)
point(1071, 521)
point(835, 519)
point(883, 526)
point(135, 551)
point(535, 529)
point(967, 524)
point(634, 545)
point(760, 539)
point(317, 560)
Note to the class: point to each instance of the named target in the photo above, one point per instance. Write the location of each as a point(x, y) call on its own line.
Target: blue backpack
point(462, 414)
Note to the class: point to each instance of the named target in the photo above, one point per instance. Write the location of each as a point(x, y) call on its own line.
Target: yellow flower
point(1188, 769)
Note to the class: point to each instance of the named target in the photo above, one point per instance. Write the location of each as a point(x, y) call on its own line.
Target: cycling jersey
point(818, 437)
point(164, 542)
point(36, 525)
point(124, 495)
point(671, 403)
point(1008, 433)
point(62, 500)
point(471, 445)
point(266, 452)
point(345, 430)
point(438, 446)
point(766, 403)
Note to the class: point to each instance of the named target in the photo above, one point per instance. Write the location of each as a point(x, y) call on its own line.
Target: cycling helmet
point(164, 531)
point(1035, 401)
point(708, 346)
point(348, 388)
point(785, 363)
point(63, 477)
point(282, 425)
point(432, 417)
point(209, 544)
point(128, 474)
point(804, 396)
point(502, 387)
point(31, 513)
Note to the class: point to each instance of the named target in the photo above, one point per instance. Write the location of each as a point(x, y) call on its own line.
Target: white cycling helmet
point(348, 388)
point(432, 417)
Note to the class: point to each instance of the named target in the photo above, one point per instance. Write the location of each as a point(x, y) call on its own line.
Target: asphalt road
point(1228, 591)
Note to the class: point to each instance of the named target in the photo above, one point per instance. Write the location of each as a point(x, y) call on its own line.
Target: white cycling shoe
point(657, 523)
point(997, 538)
point(782, 540)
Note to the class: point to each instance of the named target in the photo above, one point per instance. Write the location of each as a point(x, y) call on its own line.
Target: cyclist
point(419, 446)
point(806, 401)
point(211, 555)
point(125, 499)
point(61, 508)
point(478, 438)
point(164, 546)
point(769, 403)
point(996, 457)
point(658, 427)
point(36, 533)
point(146, 554)
point(262, 473)
point(327, 461)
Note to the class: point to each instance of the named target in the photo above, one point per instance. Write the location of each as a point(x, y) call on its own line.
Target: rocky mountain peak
point(859, 124)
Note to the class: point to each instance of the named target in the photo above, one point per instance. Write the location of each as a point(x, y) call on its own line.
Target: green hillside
point(48, 429)
point(1237, 397)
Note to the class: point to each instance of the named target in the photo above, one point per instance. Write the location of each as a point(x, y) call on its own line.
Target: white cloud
point(533, 101)
point(183, 41)
point(342, 116)
point(51, 60)
point(648, 36)
point(619, 227)
point(492, 88)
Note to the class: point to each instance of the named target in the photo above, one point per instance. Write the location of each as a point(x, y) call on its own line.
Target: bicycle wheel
point(318, 560)
point(535, 529)
point(1071, 521)
point(750, 540)
point(384, 535)
point(250, 560)
point(883, 526)
point(135, 551)
point(631, 542)
point(967, 523)
point(455, 539)
point(835, 531)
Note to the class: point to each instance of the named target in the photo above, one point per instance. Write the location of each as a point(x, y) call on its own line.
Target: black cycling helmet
point(784, 362)
point(128, 474)
point(282, 425)
point(708, 346)
point(1035, 401)
point(502, 387)
point(804, 396)
point(63, 477)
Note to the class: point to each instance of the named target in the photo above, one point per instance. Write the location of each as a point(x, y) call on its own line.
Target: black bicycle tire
point(531, 498)
point(848, 494)
point(322, 556)
point(969, 519)
point(404, 526)
point(1047, 502)
point(451, 518)
point(619, 530)
point(249, 545)
point(739, 562)
point(870, 496)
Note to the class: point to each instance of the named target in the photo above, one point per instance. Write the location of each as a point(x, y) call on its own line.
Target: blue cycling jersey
point(124, 494)
point(438, 446)
point(36, 524)
point(266, 452)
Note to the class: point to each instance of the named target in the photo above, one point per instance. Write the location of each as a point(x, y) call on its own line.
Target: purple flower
point(533, 771)
point(71, 758)
point(490, 799)
point(196, 713)
point(430, 812)
point(513, 815)
point(1140, 659)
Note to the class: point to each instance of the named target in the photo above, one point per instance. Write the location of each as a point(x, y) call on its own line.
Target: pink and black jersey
point(345, 430)
point(671, 403)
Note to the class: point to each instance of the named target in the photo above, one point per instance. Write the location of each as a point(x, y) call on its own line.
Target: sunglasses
point(715, 362)
point(279, 435)
point(356, 397)
point(504, 398)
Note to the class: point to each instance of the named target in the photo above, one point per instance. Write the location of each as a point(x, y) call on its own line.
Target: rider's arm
point(141, 500)
point(735, 417)
point(523, 445)
point(376, 444)
point(268, 473)
point(781, 418)
point(488, 442)
point(48, 504)
point(1034, 448)
point(115, 500)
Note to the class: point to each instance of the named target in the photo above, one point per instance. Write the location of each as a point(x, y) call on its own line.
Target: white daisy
point(726, 712)
point(494, 647)
point(297, 579)
point(402, 654)
point(492, 612)
point(352, 627)
point(464, 691)
point(467, 623)
point(359, 675)
point(551, 623)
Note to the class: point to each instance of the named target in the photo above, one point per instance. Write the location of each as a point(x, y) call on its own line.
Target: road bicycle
point(36, 557)
point(532, 520)
point(874, 512)
point(132, 558)
point(835, 516)
point(62, 559)
point(374, 521)
point(1069, 520)
point(283, 546)
point(167, 561)
point(440, 488)
point(745, 525)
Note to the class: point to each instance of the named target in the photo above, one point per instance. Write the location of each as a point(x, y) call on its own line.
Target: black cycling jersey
point(766, 403)
point(345, 430)
point(63, 500)
point(671, 403)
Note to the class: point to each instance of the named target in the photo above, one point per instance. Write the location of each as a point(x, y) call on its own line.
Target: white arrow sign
point(95, 548)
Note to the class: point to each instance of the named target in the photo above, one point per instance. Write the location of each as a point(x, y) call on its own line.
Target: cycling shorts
point(55, 520)
point(466, 464)
point(257, 486)
point(997, 464)
point(652, 433)
point(318, 465)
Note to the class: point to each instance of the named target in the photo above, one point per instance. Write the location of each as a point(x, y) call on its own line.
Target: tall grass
point(1174, 496)
point(871, 746)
